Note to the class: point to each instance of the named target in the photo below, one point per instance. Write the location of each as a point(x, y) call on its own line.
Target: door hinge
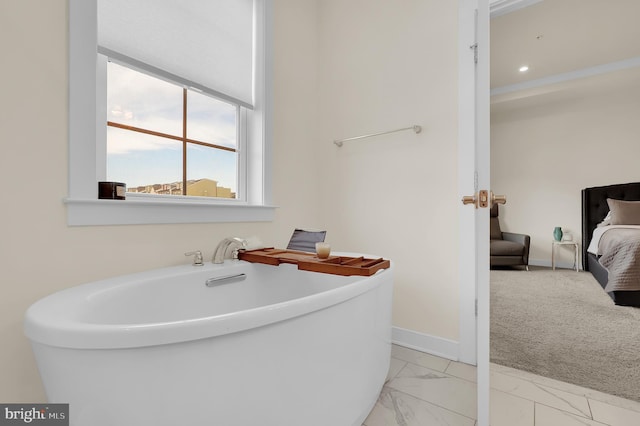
point(474, 46)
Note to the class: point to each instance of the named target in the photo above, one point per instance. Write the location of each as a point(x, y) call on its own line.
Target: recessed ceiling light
point(523, 68)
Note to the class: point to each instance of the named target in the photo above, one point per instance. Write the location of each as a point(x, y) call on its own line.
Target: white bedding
point(597, 234)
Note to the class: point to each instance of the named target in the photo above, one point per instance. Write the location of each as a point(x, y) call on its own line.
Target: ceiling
point(564, 37)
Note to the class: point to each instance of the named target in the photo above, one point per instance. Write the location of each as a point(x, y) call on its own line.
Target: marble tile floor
point(425, 390)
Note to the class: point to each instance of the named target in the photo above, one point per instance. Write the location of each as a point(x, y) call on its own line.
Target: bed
point(594, 209)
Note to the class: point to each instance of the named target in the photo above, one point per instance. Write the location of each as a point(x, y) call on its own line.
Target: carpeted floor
point(561, 324)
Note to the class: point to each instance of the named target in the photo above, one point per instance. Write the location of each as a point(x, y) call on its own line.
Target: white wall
point(383, 66)
point(546, 148)
point(40, 253)
point(341, 69)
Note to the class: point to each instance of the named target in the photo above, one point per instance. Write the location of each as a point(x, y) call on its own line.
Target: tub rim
point(70, 332)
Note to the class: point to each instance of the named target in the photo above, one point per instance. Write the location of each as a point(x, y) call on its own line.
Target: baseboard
point(433, 345)
point(547, 264)
point(539, 262)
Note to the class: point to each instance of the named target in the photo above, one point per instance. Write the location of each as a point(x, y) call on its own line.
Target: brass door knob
point(470, 199)
point(484, 199)
point(498, 199)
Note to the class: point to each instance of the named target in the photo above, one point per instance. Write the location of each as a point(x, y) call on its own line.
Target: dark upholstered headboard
point(595, 208)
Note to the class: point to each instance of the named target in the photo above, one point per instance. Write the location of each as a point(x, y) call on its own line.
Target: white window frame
point(87, 139)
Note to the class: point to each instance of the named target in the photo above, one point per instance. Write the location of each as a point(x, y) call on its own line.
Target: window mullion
point(184, 141)
point(166, 135)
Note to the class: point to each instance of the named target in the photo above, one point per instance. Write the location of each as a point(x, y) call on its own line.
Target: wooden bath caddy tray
point(337, 265)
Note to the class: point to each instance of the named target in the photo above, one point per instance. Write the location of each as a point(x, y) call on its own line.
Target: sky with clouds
point(137, 159)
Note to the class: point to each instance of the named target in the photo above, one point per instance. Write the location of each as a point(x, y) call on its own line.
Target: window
point(238, 160)
point(168, 140)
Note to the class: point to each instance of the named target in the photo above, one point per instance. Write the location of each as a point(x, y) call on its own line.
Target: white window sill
point(136, 211)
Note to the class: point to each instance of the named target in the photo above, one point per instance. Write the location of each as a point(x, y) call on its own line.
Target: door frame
point(473, 175)
point(474, 156)
point(467, 352)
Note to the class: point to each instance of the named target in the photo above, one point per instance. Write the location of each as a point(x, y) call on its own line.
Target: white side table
point(554, 246)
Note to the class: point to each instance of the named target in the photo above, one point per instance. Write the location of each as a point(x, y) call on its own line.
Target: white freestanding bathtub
point(273, 347)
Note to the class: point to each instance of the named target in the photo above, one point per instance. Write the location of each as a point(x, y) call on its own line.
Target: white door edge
point(473, 174)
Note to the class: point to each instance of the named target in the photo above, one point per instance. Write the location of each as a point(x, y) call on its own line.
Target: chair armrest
point(523, 239)
point(516, 238)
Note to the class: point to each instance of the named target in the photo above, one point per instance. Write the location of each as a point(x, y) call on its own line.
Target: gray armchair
point(507, 248)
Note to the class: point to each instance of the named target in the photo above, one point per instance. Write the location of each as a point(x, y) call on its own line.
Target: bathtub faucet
point(228, 249)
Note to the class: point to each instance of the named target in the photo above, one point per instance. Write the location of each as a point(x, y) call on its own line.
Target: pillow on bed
point(624, 212)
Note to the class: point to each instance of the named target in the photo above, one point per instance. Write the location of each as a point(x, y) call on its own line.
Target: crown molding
point(502, 7)
point(569, 76)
